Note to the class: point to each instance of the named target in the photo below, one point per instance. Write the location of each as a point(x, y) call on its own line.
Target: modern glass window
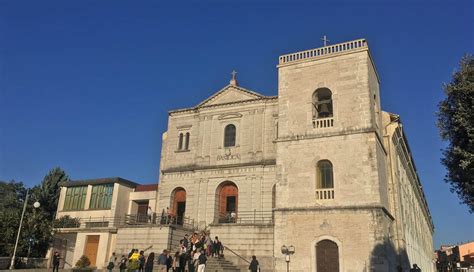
point(180, 141)
point(101, 196)
point(322, 103)
point(75, 198)
point(229, 135)
point(325, 175)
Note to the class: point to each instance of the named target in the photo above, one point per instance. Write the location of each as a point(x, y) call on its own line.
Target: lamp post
point(287, 251)
point(36, 205)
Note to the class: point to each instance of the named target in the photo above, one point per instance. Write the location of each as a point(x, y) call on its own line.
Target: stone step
point(218, 265)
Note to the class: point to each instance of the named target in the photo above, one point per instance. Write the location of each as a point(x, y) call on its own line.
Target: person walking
point(176, 264)
point(254, 266)
point(169, 261)
point(415, 268)
point(56, 258)
point(141, 261)
point(216, 247)
point(134, 261)
point(123, 264)
point(190, 261)
point(202, 261)
point(112, 261)
point(149, 262)
point(182, 261)
point(149, 213)
point(162, 259)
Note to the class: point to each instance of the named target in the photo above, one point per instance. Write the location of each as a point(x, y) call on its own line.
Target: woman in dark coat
point(149, 262)
point(254, 267)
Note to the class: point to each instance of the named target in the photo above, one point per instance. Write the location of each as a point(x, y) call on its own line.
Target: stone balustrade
point(323, 51)
point(323, 122)
point(325, 194)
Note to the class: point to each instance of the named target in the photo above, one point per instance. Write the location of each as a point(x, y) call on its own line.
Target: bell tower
point(328, 89)
point(330, 154)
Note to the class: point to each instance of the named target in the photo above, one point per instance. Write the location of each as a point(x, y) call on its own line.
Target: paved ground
point(45, 270)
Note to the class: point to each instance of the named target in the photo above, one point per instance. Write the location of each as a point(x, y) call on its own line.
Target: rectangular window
point(101, 196)
point(75, 198)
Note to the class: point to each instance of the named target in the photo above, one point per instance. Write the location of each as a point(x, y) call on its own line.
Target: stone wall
point(246, 240)
point(360, 234)
point(413, 231)
point(154, 239)
point(254, 183)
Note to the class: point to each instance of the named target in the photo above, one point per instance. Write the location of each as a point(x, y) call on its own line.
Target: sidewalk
point(47, 270)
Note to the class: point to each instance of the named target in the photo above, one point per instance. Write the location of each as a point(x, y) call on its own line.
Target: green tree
point(36, 234)
point(456, 124)
point(12, 195)
point(47, 193)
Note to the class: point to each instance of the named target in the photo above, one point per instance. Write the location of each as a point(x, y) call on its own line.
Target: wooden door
point(92, 245)
point(327, 256)
point(142, 212)
point(180, 212)
point(179, 196)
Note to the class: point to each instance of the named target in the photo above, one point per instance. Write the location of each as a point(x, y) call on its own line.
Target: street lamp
point(36, 205)
point(287, 251)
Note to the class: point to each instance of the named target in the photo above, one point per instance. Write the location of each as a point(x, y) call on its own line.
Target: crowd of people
point(190, 256)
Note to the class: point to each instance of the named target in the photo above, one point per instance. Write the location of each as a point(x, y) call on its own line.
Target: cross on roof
point(325, 40)
point(233, 81)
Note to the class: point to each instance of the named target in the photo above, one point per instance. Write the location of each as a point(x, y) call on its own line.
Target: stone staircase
point(221, 265)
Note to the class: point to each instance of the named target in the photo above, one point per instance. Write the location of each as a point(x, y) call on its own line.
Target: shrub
point(67, 221)
point(83, 262)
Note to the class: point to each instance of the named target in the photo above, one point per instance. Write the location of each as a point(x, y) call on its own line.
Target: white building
point(319, 166)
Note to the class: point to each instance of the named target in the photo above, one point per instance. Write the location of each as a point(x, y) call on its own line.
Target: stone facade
point(279, 143)
point(202, 168)
point(319, 167)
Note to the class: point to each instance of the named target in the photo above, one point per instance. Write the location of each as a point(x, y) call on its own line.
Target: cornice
point(223, 105)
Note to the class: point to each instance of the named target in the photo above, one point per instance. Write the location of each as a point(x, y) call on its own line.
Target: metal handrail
point(236, 254)
point(124, 221)
point(249, 217)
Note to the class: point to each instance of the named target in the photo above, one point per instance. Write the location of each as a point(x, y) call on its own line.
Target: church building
point(316, 178)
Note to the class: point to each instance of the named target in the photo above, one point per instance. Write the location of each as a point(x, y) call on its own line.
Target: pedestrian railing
point(236, 254)
point(246, 217)
point(128, 220)
point(24, 262)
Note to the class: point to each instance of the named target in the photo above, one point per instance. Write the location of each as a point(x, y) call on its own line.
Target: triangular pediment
point(230, 94)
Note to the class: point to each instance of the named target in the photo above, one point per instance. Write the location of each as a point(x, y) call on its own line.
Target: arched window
point(180, 141)
point(229, 135)
point(186, 142)
point(324, 175)
point(322, 103)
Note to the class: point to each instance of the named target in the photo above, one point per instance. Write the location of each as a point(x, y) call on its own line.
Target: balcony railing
point(325, 194)
point(323, 51)
point(128, 220)
point(323, 122)
point(246, 217)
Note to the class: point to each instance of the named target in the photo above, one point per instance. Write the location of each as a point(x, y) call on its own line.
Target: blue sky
point(86, 85)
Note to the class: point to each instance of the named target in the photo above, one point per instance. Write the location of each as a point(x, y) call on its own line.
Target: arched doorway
point(178, 207)
point(228, 197)
point(327, 256)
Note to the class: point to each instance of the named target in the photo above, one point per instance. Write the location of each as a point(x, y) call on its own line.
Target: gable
point(230, 94)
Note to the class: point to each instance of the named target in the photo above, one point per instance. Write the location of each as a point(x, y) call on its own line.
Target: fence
point(246, 217)
point(128, 220)
point(23, 262)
